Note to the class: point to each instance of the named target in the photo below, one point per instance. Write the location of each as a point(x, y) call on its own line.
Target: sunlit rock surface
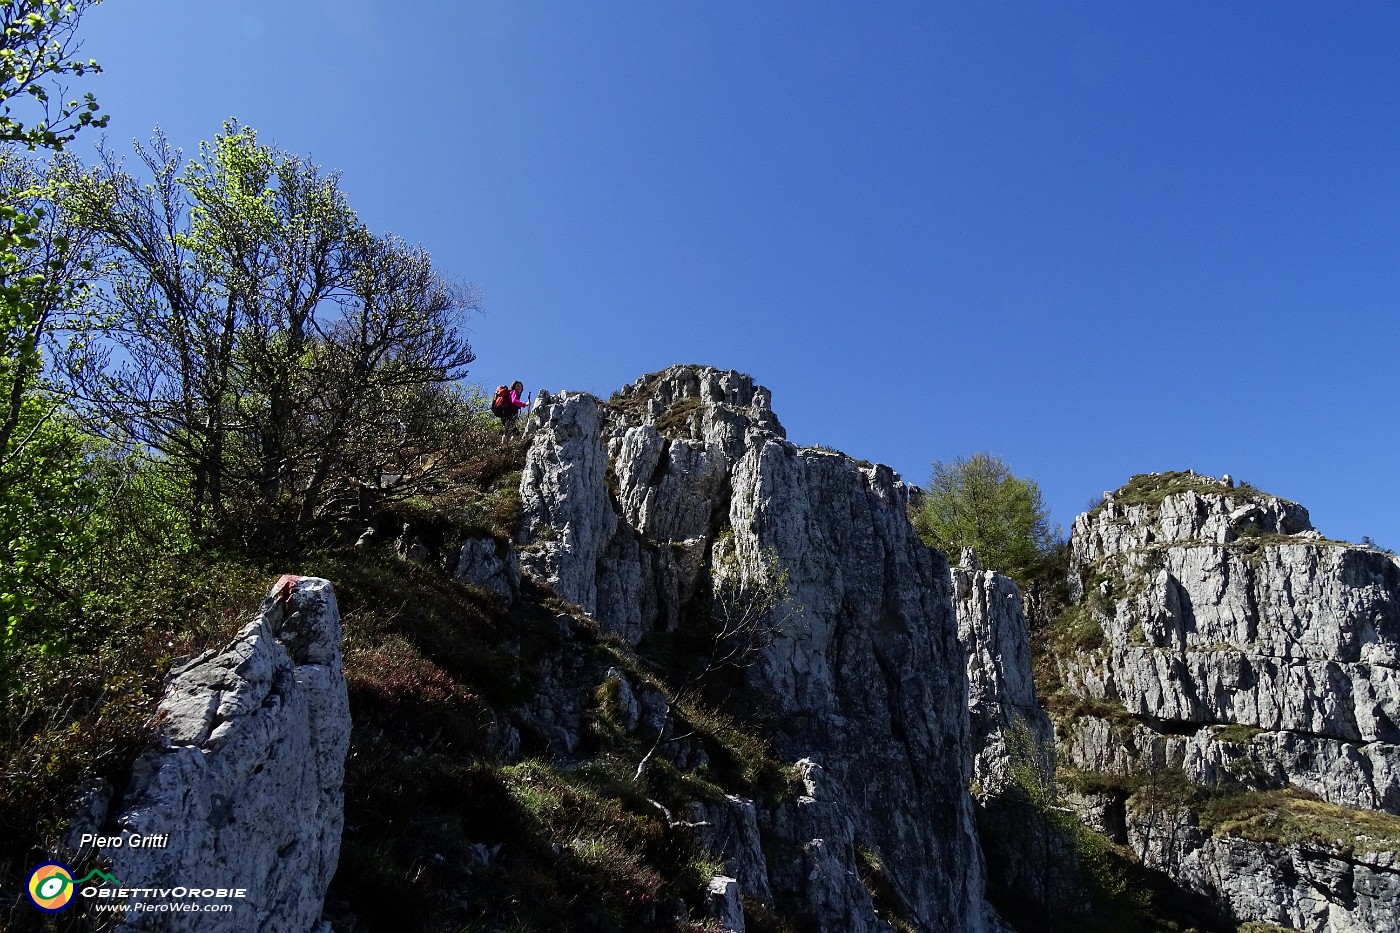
point(1246, 653)
point(627, 501)
point(245, 786)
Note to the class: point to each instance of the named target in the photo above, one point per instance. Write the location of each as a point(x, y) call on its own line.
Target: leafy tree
point(40, 270)
point(45, 493)
point(977, 502)
point(42, 499)
point(256, 337)
point(37, 53)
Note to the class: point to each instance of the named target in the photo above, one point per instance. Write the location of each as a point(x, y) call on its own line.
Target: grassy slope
point(443, 832)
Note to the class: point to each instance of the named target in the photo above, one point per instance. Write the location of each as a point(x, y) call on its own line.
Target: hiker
point(507, 404)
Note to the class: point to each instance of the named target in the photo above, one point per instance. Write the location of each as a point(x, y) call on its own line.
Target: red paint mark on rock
point(283, 588)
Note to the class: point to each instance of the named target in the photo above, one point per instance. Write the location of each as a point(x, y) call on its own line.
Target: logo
point(51, 885)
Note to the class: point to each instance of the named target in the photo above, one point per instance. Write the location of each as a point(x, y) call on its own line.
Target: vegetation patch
point(1150, 489)
point(739, 756)
point(1256, 547)
point(1096, 782)
point(1235, 733)
point(637, 395)
point(481, 498)
point(889, 906)
point(472, 843)
point(1163, 792)
point(679, 420)
point(1078, 628)
point(1293, 816)
point(398, 614)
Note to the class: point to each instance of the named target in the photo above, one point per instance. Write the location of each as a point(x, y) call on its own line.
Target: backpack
point(500, 405)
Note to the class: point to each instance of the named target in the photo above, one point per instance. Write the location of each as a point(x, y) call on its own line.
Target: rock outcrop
point(488, 563)
point(1001, 683)
point(1238, 675)
point(633, 507)
point(1032, 865)
point(244, 790)
point(1329, 886)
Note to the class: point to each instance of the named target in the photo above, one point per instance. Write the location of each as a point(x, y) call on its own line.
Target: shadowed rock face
point(246, 785)
point(628, 503)
point(1247, 653)
point(1033, 868)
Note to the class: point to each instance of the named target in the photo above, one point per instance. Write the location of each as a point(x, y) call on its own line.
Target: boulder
point(245, 789)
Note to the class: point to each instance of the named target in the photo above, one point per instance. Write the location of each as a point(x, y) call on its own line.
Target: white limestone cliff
point(628, 503)
point(1261, 663)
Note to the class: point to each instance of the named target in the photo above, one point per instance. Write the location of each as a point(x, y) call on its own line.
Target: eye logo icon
point(51, 887)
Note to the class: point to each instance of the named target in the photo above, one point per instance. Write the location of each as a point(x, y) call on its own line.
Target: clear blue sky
point(1094, 238)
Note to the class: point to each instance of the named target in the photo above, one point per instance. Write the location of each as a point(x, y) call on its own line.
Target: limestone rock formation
point(1304, 885)
point(724, 904)
point(730, 831)
point(1001, 685)
point(1222, 649)
point(816, 838)
point(490, 564)
point(245, 788)
point(633, 506)
point(1032, 866)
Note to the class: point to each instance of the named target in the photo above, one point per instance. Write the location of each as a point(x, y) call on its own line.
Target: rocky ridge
point(633, 507)
point(1221, 652)
point(1225, 695)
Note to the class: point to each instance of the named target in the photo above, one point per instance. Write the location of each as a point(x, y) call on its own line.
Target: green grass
point(480, 498)
point(581, 848)
point(1235, 733)
point(399, 614)
point(1077, 628)
point(1148, 489)
point(1292, 816)
point(679, 420)
point(1096, 782)
point(1257, 546)
point(741, 758)
point(1071, 708)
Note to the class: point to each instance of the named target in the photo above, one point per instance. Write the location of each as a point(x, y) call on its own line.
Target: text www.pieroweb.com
point(176, 907)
